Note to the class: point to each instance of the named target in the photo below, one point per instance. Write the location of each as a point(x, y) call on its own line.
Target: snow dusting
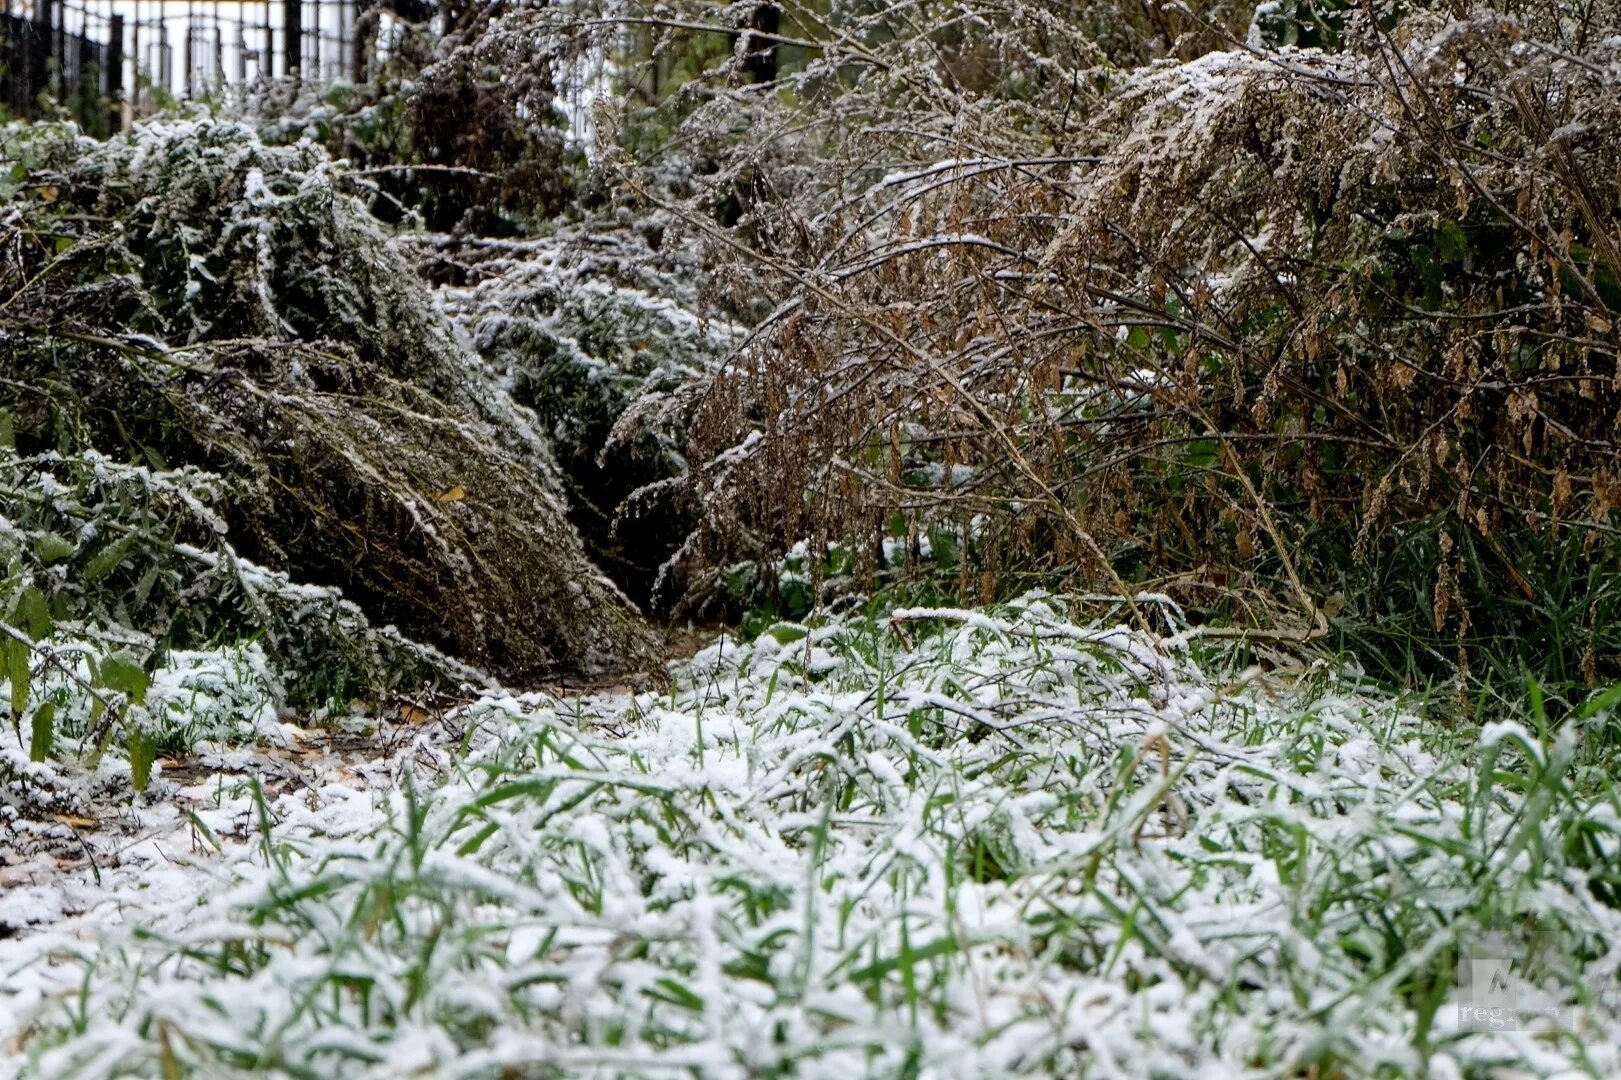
point(941, 843)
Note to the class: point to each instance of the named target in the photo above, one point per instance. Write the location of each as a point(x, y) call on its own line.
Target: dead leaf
point(455, 494)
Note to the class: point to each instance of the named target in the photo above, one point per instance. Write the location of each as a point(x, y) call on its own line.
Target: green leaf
point(905, 960)
point(787, 633)
point(44, 730)
point(108, 558)
point(17, 657)
point(52, 547)
point(1201, 454)
point(201, 827)
point(143, 588)
point(141, 755)
point(1450, 241)
point(1602, 703)
point(122, 672)
point(676, 994)
point(33, 613)
point(97, 704)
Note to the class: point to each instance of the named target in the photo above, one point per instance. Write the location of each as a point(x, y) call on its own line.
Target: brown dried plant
point(1229, 325)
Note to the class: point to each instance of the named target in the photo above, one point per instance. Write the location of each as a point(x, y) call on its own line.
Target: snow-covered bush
point(130, 625)
point(188, 296)
point(580, 325)
point(217, 695)
point(458, 126)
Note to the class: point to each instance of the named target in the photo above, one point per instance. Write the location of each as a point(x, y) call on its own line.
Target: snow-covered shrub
point(219, 695)
point(580, 326)
point(186, 295)
point(141, 554)
point(483, 109)
point(129, 625)
point(457, 126)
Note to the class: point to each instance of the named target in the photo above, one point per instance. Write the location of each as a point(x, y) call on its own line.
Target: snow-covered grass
point(934, 844)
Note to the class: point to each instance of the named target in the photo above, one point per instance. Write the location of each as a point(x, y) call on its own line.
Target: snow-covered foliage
point(112, 571)
point(186, 295)
point(191, 698)
point(939, 843)
point(457, 126)
point(603, 335)
point(139, 556)
point(1094, 294)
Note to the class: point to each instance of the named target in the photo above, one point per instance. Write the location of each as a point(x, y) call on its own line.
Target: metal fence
point(108, 60)
point(42, 53)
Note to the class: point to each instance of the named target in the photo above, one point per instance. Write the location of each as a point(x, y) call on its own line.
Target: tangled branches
point(1284, 331)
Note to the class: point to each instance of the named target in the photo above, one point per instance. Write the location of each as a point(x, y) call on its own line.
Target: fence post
point(45, 19)
point(85, 93)
point(113, 77)
point(359, 53)
point(12, 56)
point(191, 38)
point(293, 32)
point(135, 58)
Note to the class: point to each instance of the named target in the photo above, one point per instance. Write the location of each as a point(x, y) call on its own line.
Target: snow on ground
point(147, 864)
point(936, 844)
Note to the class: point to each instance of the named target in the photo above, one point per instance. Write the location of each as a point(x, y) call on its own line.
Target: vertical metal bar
point(44, 19)
point(359, 52)
point(82, 60)
point(61, 50)
point(114, 76)
point(11, 57)
point(219, 50)
point(292, 17)
point(93, 53)
point(135, 58)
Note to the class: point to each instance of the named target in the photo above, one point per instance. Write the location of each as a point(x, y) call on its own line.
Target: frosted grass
point(940, 843)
